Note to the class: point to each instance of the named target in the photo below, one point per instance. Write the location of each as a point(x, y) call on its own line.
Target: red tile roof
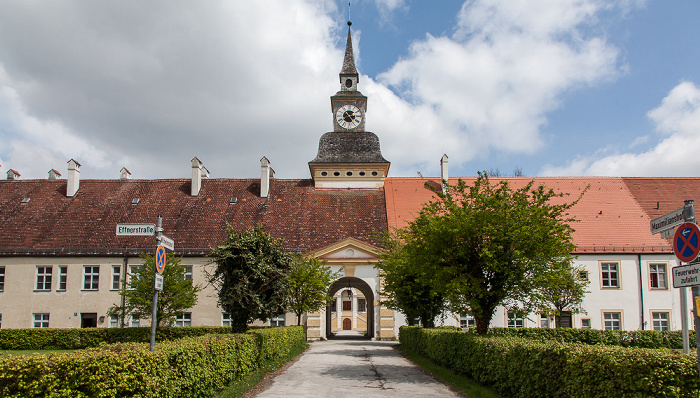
point(52, 224)
point(613, 217)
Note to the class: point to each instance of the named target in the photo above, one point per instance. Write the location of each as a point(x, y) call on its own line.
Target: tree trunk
point(482, 324)
point(298, 319)
point(238, 326)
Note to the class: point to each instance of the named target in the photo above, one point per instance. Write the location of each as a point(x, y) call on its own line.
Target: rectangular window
point(660, 320)
point(43, 277)
point(657, 276)
point(334, 305)
point(62, 277)
point(361, 305)
point(188, 273)
point(583, 275)
point(135, 321)
point(585, 323)
point(610, 275)
point(91, 277)
point(184, 319)
point(544, 321)
point(612, 320)
point(347, 305)
point(514, 321)
point(466, 320)
point(41, 320)
point(277, 320)
point(113, 321)
point(2, 279)
point(133, 269)
point(225, 319)
point(116, 277)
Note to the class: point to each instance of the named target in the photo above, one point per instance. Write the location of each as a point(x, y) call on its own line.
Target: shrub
point(518, 367)
point(189, 367)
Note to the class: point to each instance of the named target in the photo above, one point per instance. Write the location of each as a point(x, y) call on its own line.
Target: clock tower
point(349, 157)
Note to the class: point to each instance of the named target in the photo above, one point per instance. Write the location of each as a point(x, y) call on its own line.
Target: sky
point(543, 87)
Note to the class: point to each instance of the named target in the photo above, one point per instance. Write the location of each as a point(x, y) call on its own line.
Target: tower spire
point(349, 60)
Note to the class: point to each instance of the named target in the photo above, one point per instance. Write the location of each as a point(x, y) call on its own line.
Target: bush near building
point(189, 367)
point(517, 367)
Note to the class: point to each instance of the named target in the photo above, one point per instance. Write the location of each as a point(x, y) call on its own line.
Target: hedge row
point(634, 338)
point(190, 367)
point(39, 339)
point(517, 367)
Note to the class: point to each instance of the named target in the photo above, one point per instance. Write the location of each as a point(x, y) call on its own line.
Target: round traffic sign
point(160, 259)
point(686, 242)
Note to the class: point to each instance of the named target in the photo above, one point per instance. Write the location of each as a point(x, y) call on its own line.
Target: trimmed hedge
point(190, 367)
point(517, 367)
point(634, 338)
point(71, 339)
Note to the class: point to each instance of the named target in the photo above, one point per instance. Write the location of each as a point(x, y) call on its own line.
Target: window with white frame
point(225, 319)
point(467, 320)
point(610, 275)
point(2, 279)
point(114, 321)
point(612, 320)
point(135, 321)
point(133, 269)
point(116, 277)
point(62, 277)
point(544, 321)
point(515, 321)
point(657, 276)
point(583, 275)
point(43, 277)
point(660, 320)
point(91, 277)
point(585, 323)
point(188, 273)
point(41, 320)
point(184, 319)
point(277, 320)
point(361, 305)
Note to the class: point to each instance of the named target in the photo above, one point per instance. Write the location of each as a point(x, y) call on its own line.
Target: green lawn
point(461, 383)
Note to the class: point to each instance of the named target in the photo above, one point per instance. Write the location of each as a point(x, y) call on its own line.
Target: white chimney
point(12, 175)
point(205, 172)
point(443, 174)
point(54, 175)
point(266, 173)
point(73, 178)
point(196, 176)
point(124, 174)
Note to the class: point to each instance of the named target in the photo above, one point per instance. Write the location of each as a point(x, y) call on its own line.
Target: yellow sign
point(697, 306)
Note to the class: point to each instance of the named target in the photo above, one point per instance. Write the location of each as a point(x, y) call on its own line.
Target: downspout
point(123, 299)
point(641, 291)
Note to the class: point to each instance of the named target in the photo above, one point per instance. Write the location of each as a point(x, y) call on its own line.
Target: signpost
point(686, 242)
point(667, 221)
point(686, 275)
point(162, 242)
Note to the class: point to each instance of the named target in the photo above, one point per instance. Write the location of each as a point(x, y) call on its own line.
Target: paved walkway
point(354, 368)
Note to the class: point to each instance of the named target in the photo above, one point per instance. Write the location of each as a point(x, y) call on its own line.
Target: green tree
point(178, 293)
point(563, 291)
point(488, 244)
point(407, 285)
point(309, 282)
point(251, 276)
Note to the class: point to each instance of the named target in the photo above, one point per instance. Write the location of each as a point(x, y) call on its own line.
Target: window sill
point(42, 291)
point(90, 290)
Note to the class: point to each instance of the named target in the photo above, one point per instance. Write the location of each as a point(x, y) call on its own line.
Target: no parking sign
point(686, 242)
point(160, 259)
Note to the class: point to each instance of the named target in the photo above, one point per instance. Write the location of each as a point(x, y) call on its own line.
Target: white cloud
point(492, 84)
point(677, 119)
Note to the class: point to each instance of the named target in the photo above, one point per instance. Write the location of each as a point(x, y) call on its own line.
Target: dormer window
point(135, 201)
point(25, 201)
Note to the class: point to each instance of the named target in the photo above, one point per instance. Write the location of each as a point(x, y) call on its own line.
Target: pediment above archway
point(349, 250)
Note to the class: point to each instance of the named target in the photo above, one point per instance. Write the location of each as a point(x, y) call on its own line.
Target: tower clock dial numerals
point(348, 116)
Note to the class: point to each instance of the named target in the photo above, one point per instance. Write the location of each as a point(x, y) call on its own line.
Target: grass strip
point(252, 379)
point(463, 384)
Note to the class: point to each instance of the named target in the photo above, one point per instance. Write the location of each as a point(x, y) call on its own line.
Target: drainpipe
point(125, 270)
point(641, 291)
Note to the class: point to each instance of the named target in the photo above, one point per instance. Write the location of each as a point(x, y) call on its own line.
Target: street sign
point(686, 275)
point(667, 221)
point(686, 242)
point(167, 242)
point(159, 282)
point(160, 259)
point(136, 229)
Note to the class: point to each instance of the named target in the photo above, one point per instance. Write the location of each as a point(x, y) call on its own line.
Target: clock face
point(348, 116)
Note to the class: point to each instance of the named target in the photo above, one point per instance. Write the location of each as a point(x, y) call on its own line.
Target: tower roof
point(349, 60)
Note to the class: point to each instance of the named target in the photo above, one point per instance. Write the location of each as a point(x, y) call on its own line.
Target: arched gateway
point(352, 309)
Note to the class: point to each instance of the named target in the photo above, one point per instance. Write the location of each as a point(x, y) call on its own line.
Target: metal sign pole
point(684, 320)
point(696, 316)
point(154, 312)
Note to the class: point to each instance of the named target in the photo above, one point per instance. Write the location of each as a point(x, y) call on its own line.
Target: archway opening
point(352, 309)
